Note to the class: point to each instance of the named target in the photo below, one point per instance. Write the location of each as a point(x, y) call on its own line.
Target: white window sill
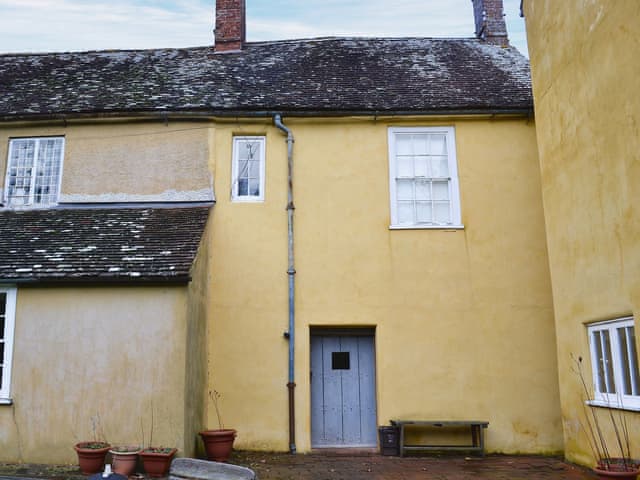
point(426, 227)
point(600, 403)
point(247, 200)
point(6, 401)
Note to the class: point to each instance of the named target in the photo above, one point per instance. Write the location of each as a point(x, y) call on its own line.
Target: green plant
point(597, 439)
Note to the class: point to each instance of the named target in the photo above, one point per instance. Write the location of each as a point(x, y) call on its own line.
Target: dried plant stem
point(595, 436)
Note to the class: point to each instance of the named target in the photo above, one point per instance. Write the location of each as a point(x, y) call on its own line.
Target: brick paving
point(376, 467)
point(340, 466)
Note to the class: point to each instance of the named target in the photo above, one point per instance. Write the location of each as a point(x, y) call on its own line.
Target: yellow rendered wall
point(464, 322)
point(584, 60)
point(114, 354)
point(127, 162)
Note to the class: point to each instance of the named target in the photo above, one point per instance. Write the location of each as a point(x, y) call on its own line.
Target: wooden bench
point(476, 429)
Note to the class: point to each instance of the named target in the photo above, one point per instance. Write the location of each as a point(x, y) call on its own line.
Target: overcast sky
point(78, 25)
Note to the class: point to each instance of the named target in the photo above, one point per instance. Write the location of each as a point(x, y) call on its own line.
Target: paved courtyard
point(376, 467)
point(337, 466)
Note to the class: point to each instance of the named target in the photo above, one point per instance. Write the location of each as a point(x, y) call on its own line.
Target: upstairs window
point(34, 169)
point(423, 178)
point(615, 363)
point(7, 316)
point(248, 169)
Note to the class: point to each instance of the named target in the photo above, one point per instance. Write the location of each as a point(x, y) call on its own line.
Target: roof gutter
point(291, 272)
point(94, 281)
point(209, 114)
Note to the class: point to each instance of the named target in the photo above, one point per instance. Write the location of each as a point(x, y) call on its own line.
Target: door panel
point(343, 408)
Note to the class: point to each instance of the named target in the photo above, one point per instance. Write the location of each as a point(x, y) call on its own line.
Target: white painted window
point(423, 177)
point(248, 169)
point(614, 360)
point(7, 321)
point(34, 171)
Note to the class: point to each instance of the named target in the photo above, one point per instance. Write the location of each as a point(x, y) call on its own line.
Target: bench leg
point(402, 440)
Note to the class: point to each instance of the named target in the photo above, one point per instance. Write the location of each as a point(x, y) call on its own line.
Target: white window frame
point(32, 202)
point(7, 338)
point(613, 376)
point(454, 188)
point(237, 142)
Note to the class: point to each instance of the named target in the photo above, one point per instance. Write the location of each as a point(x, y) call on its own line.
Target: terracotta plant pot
point(617, 468)
point(218, 443)
point(124, 459)
point(156, 461)
point(91, 456)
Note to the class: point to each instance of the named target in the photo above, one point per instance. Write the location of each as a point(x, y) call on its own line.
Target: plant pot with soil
point(157, 460)
point(124, 459)
point(91, 456)
point(218, 443)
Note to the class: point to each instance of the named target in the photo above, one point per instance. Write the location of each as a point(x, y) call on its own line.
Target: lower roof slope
point(100, 245)
point(340, 75)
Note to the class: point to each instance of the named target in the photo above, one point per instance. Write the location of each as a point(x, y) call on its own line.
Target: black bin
point(389, 440)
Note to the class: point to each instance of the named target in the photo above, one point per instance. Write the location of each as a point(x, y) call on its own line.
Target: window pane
point(243, 187)
point(438, 144)
point(405, 213)
point(243, 170)
point(20, 171)
point(629, 360)
point(243, 150)
point(420, 144)
point(2, 324)
point(442, 212)
point(254, 187)
point(423, 190)
point(441, 191)
point(404, 189)
point(605, 367)
point(440, 167)
point(2, 352)
point(599, 366)
point(403, 145)
point(421, 166)
point(254, 169)
point(405, 167)
point(48, 170)
point(3, 301)
point(423, 212)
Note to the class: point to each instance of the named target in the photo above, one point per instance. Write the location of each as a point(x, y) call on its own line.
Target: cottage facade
point(404, 275)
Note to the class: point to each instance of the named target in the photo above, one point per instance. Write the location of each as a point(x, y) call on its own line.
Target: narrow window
point(615, 363)
point(248, 169)
point(423, 178)
point(34, 169)
point(7, 318)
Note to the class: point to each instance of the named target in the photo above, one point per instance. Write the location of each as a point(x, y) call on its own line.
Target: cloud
point(72, 25)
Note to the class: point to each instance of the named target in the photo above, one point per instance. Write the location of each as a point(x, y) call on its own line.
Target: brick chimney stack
point(490, 24)
point(230, 32)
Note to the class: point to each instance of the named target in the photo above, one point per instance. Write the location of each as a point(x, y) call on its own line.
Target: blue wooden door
point(343, 392)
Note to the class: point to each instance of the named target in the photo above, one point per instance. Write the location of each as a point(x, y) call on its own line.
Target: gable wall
point(107, 355)
point(585, 77)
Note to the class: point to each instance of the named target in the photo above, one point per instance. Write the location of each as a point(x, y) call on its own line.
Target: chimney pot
point(230, 32)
